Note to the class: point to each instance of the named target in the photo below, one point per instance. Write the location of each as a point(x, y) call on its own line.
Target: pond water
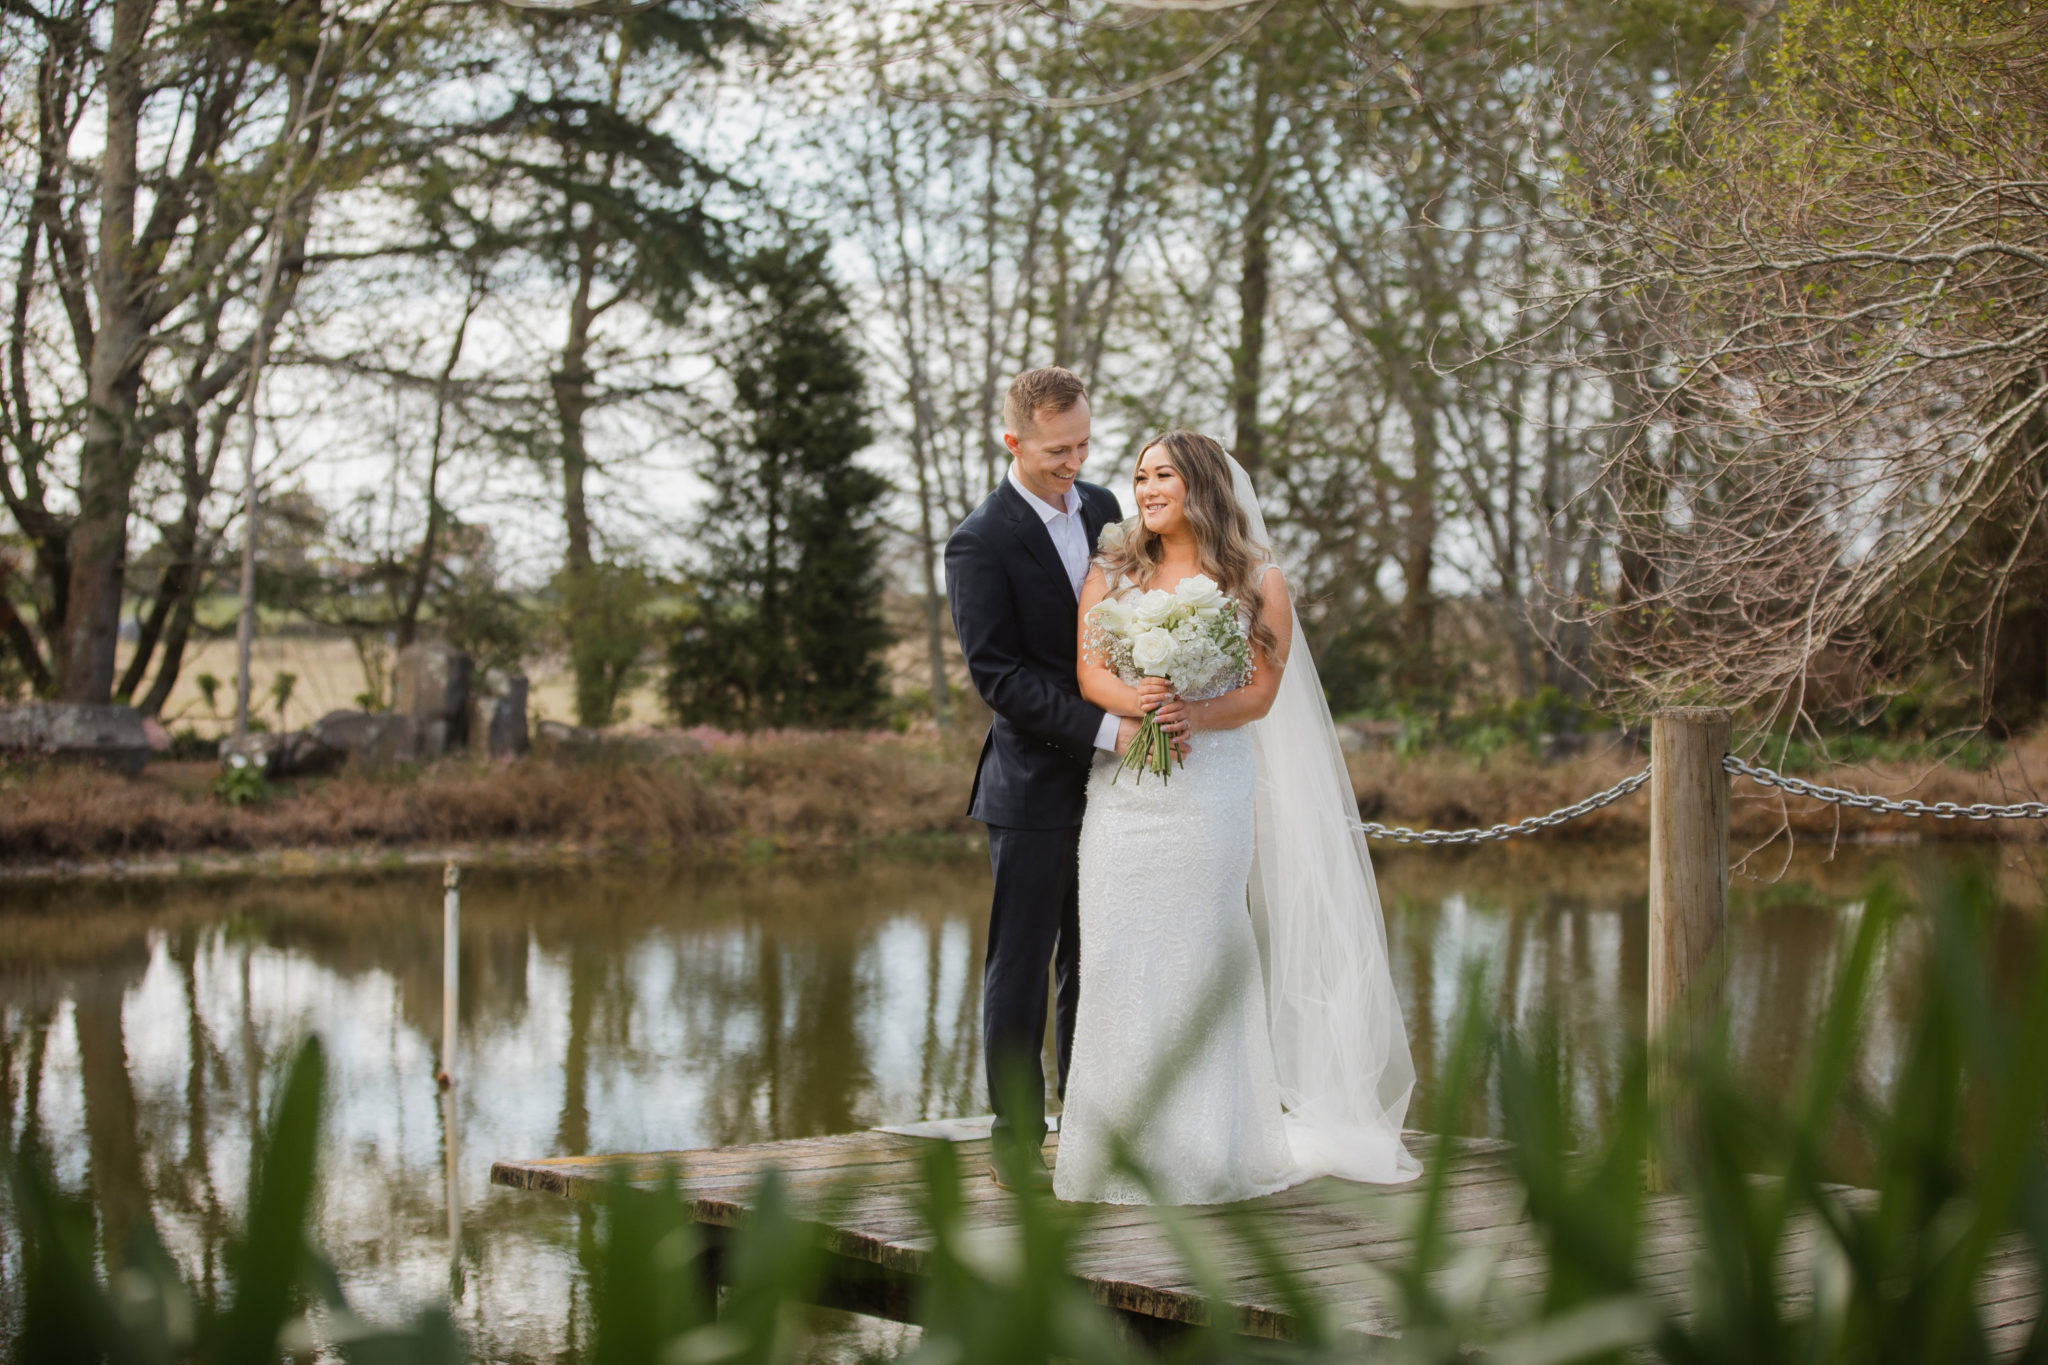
point(143, 1027)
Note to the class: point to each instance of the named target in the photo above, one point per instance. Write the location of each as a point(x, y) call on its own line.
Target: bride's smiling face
point(1160, 492)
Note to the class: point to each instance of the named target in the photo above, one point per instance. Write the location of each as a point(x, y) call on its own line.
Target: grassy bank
point(822, 792)
point(839, 791)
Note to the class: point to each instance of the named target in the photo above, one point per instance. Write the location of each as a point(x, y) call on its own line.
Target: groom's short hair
point(1051, 389)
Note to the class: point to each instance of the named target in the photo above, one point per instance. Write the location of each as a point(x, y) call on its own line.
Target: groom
point(1013, 576)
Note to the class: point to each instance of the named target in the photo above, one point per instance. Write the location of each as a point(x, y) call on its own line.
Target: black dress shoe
point(1027, 1168)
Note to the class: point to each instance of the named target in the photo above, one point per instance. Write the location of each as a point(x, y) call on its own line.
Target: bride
point(1218, 1070)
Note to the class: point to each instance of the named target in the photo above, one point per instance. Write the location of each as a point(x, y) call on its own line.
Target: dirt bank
point(833, 791)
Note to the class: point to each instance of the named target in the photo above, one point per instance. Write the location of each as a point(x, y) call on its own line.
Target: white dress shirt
point(1070, 539)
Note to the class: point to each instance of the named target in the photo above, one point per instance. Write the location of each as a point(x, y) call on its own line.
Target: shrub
point(606, 621)
point(242, 785)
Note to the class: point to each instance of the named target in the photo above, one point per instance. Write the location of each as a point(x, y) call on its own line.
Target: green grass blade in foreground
point(655, 1273)
point(773, 1260)
point(1586, 1206)
point(270, 1262)
point(1919, 1171)
point(1009, 1299)
point(152, 1315)
point(64, 1313)
point(644, 1274)
point(1824, 1092)
point(1435, 1308)
point(2008, 1160)
point(1259, 1234)
point(1753, 1174)
point(1960, 1141)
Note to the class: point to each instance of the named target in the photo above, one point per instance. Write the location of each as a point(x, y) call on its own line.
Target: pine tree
point(786, 627)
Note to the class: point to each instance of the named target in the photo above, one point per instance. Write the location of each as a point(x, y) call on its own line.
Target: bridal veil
point(1339, 1046)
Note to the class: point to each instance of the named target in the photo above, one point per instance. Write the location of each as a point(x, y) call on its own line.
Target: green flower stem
point(1149, 751)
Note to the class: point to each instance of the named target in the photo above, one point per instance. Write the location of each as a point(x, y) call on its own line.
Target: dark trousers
point(1034, 922)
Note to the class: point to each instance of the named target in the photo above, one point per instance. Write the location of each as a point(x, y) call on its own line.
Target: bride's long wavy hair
point(1223, 536)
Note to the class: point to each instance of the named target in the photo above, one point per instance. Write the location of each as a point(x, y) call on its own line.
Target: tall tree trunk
point(571, 383)
point(47, 532)
point(1254, 280)
point(1551, 582)
point(181, 544)
point(1418, 544)
point(423, 566)
point(934, 627)
point(107, 456)
point(1639, 498)
point(15, 633)
point(774, 631)
point(180, 540)
point(992, 448)
point(99, 536)
point(1118, 219)
point(267, 296)
point(911, 286)
point(179, 631)
point(194, 548)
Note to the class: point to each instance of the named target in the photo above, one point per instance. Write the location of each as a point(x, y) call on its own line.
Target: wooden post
point(1688, 895)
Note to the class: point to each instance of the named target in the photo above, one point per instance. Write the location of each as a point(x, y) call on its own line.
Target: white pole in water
point(451, 982)
point(454, 1181)
point(451, 975)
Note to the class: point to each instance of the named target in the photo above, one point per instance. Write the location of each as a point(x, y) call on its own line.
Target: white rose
point(1154, 607)
point(1112, 616)
point(1111, 541)
point(1200, 593)
point(1151, 651)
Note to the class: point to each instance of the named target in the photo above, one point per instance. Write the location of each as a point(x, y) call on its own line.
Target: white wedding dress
point(1171, 1051)
point(1221, 1071)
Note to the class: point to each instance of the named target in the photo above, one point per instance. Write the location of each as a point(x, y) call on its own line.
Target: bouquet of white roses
point(1191, 637)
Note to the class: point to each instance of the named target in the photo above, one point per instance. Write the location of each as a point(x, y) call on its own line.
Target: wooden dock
point(1334, 1234)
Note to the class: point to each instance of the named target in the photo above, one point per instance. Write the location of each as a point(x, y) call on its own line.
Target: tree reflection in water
point(645, 1007)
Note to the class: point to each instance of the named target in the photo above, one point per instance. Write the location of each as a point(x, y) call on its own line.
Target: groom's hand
point(1126, 731)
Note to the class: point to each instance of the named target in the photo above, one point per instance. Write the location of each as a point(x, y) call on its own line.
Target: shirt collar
point(1046, 511)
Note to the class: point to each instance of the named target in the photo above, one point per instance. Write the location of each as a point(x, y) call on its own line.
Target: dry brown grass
point(833, 791)
point(1449, 790)
point(826, 791)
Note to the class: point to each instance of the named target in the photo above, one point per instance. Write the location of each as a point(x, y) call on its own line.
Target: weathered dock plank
point(863, 1189)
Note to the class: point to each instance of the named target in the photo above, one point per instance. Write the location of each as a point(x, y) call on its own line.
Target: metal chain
point(1940, 810)
point(1535, 823)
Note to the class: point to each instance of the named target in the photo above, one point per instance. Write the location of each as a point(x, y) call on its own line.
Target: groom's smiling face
point(1051, 451)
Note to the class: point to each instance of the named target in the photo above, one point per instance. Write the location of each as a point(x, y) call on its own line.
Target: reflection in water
point(142, 1029)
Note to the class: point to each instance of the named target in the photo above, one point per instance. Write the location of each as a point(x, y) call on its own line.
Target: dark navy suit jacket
point(1015, 614)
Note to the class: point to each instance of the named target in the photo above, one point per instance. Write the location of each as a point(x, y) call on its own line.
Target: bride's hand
point(1176, 718)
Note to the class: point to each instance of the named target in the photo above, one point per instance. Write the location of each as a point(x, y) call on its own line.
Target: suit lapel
point(1030, 528)
point(1094, 518)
